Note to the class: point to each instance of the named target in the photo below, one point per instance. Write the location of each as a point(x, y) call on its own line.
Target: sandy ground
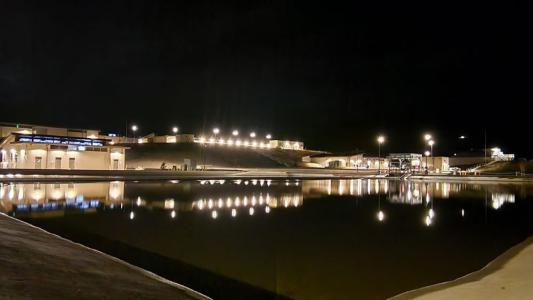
point(510, 276)
point(35, 264)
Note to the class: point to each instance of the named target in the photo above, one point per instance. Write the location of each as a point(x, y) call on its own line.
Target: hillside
point(151, 156)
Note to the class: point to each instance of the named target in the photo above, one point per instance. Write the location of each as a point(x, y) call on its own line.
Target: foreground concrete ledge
point(509, 276)
point(35, 264)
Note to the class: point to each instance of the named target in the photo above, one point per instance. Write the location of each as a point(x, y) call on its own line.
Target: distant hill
point(152, 155)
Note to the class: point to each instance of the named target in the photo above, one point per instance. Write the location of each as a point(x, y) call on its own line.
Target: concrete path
point(510, 276)
point(35, 264)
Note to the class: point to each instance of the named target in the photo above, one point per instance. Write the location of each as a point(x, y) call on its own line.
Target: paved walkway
point(510, 276)
point(35, 264)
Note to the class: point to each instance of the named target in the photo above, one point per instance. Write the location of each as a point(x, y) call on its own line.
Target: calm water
point(315, 239)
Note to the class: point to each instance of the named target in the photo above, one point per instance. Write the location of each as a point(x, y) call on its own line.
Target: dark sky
point(330, 74)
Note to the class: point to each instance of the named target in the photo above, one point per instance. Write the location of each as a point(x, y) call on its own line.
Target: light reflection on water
point(302, 239)
point(234, 195)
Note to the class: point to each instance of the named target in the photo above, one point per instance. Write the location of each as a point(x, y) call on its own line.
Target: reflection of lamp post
point(381, 140)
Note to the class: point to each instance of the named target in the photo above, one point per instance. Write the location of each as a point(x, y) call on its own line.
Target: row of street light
point(216, 131)
point(235, 132)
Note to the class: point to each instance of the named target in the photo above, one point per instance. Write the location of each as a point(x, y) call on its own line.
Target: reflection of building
point(32, 198)
point(37, 147)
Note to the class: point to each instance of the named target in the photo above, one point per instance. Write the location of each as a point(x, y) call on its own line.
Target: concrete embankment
point(509, 276)
point(99, 175)
point(12, 175)
point(35, 264)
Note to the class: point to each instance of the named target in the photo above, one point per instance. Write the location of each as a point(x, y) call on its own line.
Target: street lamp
point(216, 131)
point(268, 136)
point(235, 132)
point(175, 130)
point(381, 140)
point(252, 134)
point(427, 137)
point(431, 143)
point(426, 154)
point(134, 129)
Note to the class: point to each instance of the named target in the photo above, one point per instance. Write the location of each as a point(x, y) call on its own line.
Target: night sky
point(329, 74)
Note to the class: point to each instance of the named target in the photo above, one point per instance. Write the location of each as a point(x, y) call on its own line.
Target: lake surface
point(297, 239)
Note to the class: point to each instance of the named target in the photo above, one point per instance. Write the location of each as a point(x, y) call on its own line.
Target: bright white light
point(175, 130)
point(134, 128)
point(202, 139)
point(216, 130)
point(462, 212)
point(221, 141)
point(462, 137)
point(245, 143)
point(381, 216)
point(268, 136)
point(428, 221)
point(252, 134)
point(230, 142)
point(212, 140)
point(173, 214)
point(234, 212)
point(381, 139)
point(251, 211)
point(431, 213)
point(139, 202)
point(238, 142)
point(267, 209)
point(132, 215)
point(431, 142)
point(426, 153)
point(214, 214)
point(427, 137)
point(235, 132)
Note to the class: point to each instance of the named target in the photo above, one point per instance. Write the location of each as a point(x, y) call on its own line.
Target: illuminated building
point(37, 147)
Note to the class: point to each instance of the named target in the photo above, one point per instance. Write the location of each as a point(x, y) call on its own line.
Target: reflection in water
point(340, 238)
point(216, 196)
point(42, 199)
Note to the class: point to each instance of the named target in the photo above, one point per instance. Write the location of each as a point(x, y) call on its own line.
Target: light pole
point(215, 132)
point(134, 129)
point(427, 138)
point(426, 154)
point(381, 140)
point(431, 143)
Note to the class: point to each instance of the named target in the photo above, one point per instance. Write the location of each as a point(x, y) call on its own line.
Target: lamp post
point(381, 140)
point(426, 154)
point(431, 143)
point(216, 131)
point(427, 138)
point(134, 129)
